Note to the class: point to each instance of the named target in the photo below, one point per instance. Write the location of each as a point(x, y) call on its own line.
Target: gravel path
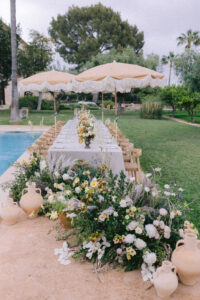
point(30, 271)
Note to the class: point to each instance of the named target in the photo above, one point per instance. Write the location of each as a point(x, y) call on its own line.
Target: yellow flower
point(116, 240)
point(23, 163)
point(47, 214)
point(126, 217)
point(133, 208)
point(54, 215)
point(128, 256)
point(94, 184)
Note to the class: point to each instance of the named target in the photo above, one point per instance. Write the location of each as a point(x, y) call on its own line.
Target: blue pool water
point(13, 145)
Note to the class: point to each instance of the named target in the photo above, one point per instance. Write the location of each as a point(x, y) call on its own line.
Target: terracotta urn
point(165, 280)
point(31, 201)
point(10, 212)
point(186, 258)
point(64, 221)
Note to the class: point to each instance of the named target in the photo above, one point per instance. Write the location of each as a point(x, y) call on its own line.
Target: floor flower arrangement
point(116, 220)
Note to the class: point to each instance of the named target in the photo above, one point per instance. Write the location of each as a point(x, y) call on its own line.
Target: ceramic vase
point(32, 201)
point(186, 258)
point(10, 212)
point(87, 143)
point(165, 280)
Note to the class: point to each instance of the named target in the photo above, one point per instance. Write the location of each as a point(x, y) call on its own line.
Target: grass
point(167, 144)
point(183, 115)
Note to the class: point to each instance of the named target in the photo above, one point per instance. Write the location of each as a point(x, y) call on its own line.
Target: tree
point(171, 96)
point(187, 67)
point(126, 55)
point(5, 57)
point(190, 102)
point(84, 32)
point(191, 37)
point(35, 56)
point(14, 115)
point(169, 59)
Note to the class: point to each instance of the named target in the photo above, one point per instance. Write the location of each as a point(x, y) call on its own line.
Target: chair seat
point(131, 166)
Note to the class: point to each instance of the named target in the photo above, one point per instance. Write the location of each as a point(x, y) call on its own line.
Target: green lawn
point(183, 115)
point(167, 144)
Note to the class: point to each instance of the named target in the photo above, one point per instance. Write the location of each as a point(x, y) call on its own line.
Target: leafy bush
point(108, 102)
point(28, 101)
point(151, 110)
point(47, 105)
point(64, 107)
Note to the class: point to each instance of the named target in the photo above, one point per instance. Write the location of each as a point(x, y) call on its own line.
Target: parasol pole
point(54, 98)
point(102, 107)
point(115, 102)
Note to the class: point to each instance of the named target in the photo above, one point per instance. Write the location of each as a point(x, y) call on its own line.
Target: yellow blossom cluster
point(130, 252)
point(189, 228)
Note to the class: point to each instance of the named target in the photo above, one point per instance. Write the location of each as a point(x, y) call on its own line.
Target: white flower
point(167, 193)
point(173, 194)
point(43, 165)
point(147, 272)
point(167, 229)
point(151, 230)
point(172, 215)
point(166, 186)
point(64, 254)
point(77, 189)
point(61, 198)
point(140, 244)
point(123, 203)
point(68, 192)
point(150, 258)
point(179, 213)
point(166, 235)
point(114, 198)
point(51, 199)
point(156, 223)
point(132, 225)
point(54, 215)
point(129, 239)
point(163, 212)
point(161, 224)
point(180, 190)
point(147, 189)
point(119, 251)
point(157, 169)
point(115, 214)
point(157, 236)
point(101, 198)
point(37, 174)
point(131, 179)
point(138, 230)
point(181, 233)
point(56, 174)
point(66, 177)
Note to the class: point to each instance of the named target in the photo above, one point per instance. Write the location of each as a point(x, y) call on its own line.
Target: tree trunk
point(95, 98)
point(14, 116)
point(39, 101)
point(170, 72)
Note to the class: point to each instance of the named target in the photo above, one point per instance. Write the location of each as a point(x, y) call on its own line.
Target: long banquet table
point(103, 149)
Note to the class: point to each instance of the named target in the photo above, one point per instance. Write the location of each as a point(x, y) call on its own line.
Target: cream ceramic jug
point(32, 201)
point(165, 280)
point(186, 258)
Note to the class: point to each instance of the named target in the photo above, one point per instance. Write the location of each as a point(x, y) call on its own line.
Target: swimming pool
point(13, 145)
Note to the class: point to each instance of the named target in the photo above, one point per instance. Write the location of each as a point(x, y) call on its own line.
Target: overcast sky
point(161, 20)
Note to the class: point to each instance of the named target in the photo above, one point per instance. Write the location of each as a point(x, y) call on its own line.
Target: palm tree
point(168, 59)
point(191, 37)
point(14, 116)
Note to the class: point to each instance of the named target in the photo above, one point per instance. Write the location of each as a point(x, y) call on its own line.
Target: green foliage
point(5, 54)
point(84, 32)
point(190, 102)
point(187, 66)
point(189, 39)
point(127, 55)
point(108, 102)
point(151, 108)
point(28, 101)
point(35, 56)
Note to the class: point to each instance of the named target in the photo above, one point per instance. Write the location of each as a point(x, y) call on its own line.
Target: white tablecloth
point(103, 149)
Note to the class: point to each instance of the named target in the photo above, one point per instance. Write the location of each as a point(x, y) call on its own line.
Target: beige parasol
point(53, 81)
point(116, 77)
